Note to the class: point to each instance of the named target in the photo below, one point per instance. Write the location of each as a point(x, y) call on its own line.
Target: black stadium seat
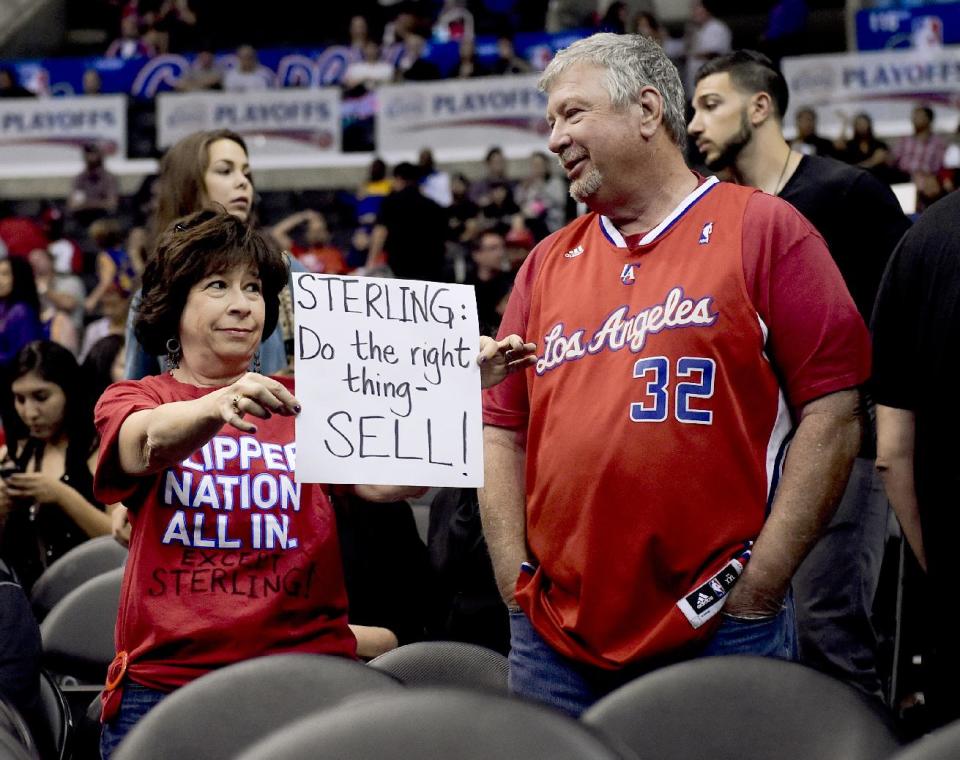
point(80, 564)
point(730, 708)
point(452, 724)
point(445, 663)
point(225, 711)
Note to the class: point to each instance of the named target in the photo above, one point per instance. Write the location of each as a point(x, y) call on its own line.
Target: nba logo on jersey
point(627, 277)
point(705, 233)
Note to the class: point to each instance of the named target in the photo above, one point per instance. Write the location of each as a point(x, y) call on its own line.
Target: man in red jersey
point(692, 418)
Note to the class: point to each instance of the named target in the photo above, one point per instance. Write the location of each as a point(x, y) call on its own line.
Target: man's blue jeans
point(538, 672)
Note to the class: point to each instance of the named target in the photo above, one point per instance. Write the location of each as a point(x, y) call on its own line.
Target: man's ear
point(650, 105)
point(761, 108)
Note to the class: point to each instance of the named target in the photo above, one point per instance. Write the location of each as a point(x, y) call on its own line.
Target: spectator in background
point(385, 571)
point(371, 194)
point(204, 74)
point(706, 37)
point(58, 288)
point(542, 197)
point(10, 86)
point(115, 267)
point(50, 503)
point(20, 234)
point(130, 43)
point(61, 300)
point(316, 252)
point(501, 208)
point(454, 22)
point(92, 84)
point(248, 75)
point(365, 74)
point(19, 325)
point(67, 256)
point(491, 278)
point(115, 307)
point(863, 149)
point(463, 212)
point(648, 25)
point(923, 151)
point(496, 172)
point(469, 64)
point(411, 229)
point(359, 32)
point(508, 62)
point(434, 183)
point(103, 364)
point(563, 15)
point(467, 606)
point(807, 140)
point(786, 23)
point(615, 19)
point(96, 192)
point(413, 67)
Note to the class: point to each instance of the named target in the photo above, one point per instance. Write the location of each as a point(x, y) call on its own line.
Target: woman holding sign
point(203, 455)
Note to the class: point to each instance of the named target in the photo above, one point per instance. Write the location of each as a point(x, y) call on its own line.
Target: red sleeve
point(816, 337)
point(110, 483)
point(507, 404)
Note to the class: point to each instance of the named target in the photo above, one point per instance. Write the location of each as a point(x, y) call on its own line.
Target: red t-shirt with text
point(229, 557)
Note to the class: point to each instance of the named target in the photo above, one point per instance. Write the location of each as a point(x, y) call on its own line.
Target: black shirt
point(916, 363)
point(857, 215)
point(416, 234)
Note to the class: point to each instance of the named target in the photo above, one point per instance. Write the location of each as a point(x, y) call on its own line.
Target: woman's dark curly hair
point(190, 249)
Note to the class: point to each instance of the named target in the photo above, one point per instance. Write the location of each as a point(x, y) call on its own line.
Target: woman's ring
point(236, 404)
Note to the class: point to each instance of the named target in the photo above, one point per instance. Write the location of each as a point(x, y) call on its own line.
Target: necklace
point(783, 171)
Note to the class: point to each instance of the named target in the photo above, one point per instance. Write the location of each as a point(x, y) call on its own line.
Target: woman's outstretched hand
point(497, 359)
point(256, 395)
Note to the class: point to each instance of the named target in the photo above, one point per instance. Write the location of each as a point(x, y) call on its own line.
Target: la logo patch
point(705, 233)
point(627, 277)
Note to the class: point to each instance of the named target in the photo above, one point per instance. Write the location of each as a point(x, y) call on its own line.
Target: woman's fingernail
point(296, 408)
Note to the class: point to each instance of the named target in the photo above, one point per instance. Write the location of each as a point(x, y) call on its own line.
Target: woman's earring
point(173, 353)
point(256, 362)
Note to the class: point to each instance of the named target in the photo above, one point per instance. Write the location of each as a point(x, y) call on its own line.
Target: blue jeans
point(137, 701)
point(537, 672)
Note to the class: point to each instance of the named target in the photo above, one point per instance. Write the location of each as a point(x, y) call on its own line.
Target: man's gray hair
point(632, 62)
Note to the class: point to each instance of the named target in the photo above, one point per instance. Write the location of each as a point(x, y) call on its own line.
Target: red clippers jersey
point(656, 427)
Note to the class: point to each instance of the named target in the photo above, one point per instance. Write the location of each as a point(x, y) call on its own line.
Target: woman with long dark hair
point(46, 495)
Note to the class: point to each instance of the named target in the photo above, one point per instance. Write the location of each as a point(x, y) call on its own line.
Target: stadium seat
point(12, 749)
point(445, 663)
point(440, 723)
point(728, 708)
point(59, 722)
point(78, 632)
point(86, 561)
point(225, 711)
point(16, 742)
point(943, 744)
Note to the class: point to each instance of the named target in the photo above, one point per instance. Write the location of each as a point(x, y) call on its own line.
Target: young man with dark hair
point(739, 104)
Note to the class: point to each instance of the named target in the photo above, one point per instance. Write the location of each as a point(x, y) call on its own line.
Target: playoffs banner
point(41, 130)
point(505, 111)
point(885, 84)
point(291, 121)
point(387, 374)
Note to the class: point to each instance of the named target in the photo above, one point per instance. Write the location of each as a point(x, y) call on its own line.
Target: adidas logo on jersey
point(703, 600)
point(573, 252)
point(627, 277)
point(705, 233)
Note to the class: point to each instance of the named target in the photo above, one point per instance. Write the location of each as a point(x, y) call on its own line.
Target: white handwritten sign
point(388, 380)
